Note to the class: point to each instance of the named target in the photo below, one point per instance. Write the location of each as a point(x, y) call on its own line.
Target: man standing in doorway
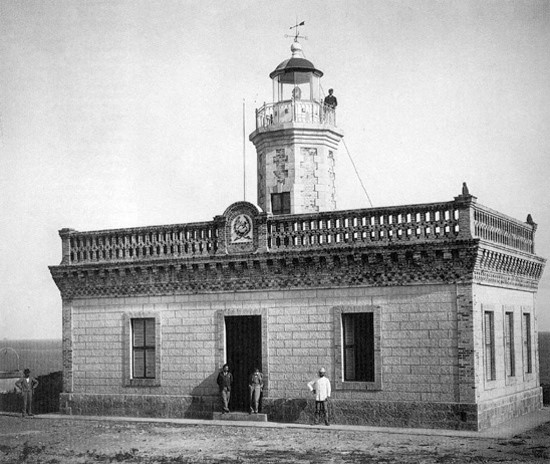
point(320, 387)
point(255, 387)
point(225, 379)
point(27, 385)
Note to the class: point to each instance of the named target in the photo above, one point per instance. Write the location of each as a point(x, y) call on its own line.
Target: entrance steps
point(239, 416)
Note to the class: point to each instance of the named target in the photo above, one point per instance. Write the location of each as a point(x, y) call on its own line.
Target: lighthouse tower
point(296, 141)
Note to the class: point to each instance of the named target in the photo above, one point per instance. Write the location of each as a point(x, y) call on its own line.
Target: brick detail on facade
point(456, 262)
point(67, 344)
point(261, 179)
point(351, 412)
point(499, 410)
point(378, 413)
point(331, 180)
point(466, 330)
point(309, 179)
point(280, 164)
point(146, 405)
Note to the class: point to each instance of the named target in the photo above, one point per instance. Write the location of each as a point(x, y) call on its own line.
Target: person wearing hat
point(255, 387)
point(330, 100)
point(320, 387)
point(225, 379)
point(27, 385)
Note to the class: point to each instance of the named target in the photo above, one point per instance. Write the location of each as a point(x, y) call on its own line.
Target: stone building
point(423, 315)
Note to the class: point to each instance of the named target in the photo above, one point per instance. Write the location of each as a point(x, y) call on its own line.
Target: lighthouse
point(423, 315)
point(296, 140)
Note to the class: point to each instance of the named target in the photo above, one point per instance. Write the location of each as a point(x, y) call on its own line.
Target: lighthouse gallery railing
point(299, 111)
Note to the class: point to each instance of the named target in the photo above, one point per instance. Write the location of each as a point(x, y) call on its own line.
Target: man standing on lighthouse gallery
point(320, 387)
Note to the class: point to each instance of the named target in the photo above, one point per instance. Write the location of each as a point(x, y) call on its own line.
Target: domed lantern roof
point(296, 63)
point(296, 78)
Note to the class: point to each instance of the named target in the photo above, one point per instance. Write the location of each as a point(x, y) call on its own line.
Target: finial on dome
point(296, 49)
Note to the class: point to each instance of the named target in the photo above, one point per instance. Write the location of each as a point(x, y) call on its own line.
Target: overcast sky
point(129, 113)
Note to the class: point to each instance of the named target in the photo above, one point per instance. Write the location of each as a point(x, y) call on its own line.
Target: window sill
point(358, 386)
point(142, 383)
point(511, 380)
point(491, 384)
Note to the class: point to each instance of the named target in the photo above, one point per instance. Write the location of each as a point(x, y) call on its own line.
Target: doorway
point(243, 347)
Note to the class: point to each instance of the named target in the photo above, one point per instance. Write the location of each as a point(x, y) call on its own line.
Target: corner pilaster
point(67, 345)
point(464, 203)
point(466, 343)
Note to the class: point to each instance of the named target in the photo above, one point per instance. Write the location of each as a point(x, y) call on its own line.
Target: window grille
point(143, 348)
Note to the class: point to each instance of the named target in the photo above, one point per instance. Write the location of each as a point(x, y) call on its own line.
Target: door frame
point(221, 353)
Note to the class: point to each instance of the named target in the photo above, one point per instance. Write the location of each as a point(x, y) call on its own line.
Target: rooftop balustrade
point(497, 228)
point(143, 243)
point(369, 226)
point(294, 111)
point(433, 222)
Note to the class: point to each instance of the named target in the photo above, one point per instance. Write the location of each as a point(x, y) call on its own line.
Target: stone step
point(239, 416)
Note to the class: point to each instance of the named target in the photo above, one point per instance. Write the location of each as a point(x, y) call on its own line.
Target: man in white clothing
point(321, 389)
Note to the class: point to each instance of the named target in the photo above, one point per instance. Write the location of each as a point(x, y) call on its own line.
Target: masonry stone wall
point(417, 345)
point(500, 301)
point(506, 396)
point(298, 159)
point(495, 411)
point(426, 367)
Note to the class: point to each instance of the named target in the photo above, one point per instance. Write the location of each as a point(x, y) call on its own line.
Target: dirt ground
point(72, 441)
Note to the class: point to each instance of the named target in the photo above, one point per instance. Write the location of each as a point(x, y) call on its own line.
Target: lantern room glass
point(296, 85)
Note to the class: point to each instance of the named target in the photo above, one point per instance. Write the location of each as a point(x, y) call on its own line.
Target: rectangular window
point(527, 354)
point(358, 344)
point(509, 344)
point(280, 203)
point(490, 371)
point(143, 348)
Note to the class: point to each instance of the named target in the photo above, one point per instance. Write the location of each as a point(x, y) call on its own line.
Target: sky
point(130, 113)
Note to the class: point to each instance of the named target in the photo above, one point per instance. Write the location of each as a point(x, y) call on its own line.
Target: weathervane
point(296, 32)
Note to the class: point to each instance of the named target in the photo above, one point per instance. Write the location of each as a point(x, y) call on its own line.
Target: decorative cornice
point(457, 262)
point(503, 268)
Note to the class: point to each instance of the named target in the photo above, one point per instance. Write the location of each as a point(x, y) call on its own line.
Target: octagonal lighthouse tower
point(296, 141)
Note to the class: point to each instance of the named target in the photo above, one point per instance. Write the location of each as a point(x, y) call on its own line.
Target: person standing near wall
point(27, 385)
point(255, 387)
point(225, 379)
point(320, 387)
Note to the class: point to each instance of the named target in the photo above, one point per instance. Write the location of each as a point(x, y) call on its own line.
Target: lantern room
point(296, 78)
